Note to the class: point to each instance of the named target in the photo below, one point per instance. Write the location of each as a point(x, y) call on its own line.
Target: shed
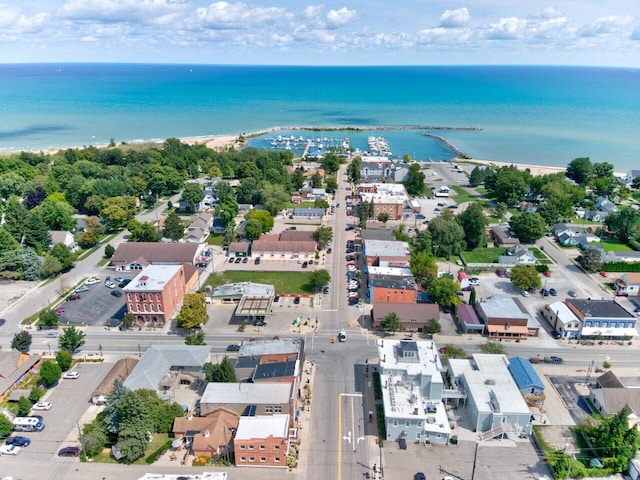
point(525, 376)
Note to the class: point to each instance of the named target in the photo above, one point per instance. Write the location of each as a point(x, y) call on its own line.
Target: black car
point(201, 264)
point(296, 300)
point(73, 296)
point(69, 452)
point(18, 441)
point(329, 250)
point(325, 289)
point(276, 299)
point(116, 293)
point(419, 476)
point(245, 260)
point(238, 260)
point(122, 285)
point(234, 347)
point(257, 261)
point(555, 334)
point(305, 264)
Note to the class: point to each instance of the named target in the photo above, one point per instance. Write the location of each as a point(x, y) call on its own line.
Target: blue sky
point(294, 32)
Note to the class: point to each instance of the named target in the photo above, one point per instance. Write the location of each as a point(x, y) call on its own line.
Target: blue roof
point(524, 374)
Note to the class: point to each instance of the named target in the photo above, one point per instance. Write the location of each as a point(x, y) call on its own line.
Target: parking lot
point(96, 307)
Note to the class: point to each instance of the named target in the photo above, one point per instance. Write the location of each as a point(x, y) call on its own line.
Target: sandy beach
point(534, 169)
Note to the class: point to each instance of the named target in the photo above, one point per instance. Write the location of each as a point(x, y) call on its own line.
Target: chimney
point(205, 434)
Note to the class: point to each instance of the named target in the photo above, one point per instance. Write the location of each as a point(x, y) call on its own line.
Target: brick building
point(262, 441)
point(393, 290)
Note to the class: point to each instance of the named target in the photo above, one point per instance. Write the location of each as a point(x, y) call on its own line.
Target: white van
point(27, 424)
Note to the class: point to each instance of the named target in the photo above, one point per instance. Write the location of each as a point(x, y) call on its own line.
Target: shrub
point(200, 461)
point(64, 360)
point(36, 394)
point(155, 455)
point(24, 407)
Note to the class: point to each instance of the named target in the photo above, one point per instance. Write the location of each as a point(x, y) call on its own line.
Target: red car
point(547, 273)
point(604, 274)
point(69, 452)
point(59, 310)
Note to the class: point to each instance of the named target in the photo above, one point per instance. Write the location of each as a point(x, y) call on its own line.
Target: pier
point(448, 144)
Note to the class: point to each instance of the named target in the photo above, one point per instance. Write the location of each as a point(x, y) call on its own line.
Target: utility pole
point(475, 460)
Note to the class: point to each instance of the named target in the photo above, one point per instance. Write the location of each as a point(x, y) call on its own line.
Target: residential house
point(628, 284)
point(199, 229)
point(218, 227)
point(310, 213)
point(503, 237)
point(505, 318)
point(527, 379)
point(263, 398)
point(262, 441)
point(239, 249)
point(14, 367)
point(163, 367)
point(468, 319)
point(631, 175)
point(64, 237)
point(603, 318)
point(156, 293)
point(612, 394)
point(605, 205)
point(209, 436)
point(494, 402)
point(596, 216)
point(139, 255)
point(560, 228)
point(413, 317)
point(563, 320)
point(296, 198)
point(620, 257)
point(517, 255)
point(376, 251)
point(412, 391)
point(119, 372)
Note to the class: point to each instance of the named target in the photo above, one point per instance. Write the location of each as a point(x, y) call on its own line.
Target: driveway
point(575, 402)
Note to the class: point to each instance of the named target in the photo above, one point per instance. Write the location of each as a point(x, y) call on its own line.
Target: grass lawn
point(613, 245)
point(540, 256)
point(462, 195)
point(483, 255)
point(291, 205)
point(217, 240)
point(284, 282)
point(159, 439)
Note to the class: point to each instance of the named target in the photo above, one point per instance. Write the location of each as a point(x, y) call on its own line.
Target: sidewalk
point(303, 412)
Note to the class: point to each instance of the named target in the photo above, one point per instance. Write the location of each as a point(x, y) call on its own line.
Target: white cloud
point(635, 35)
point(8, 15)
point(454, 18)
point(550, 12)
point(312, 12)
point(443, 36)
point(89, 39)
point(391, 40)
point(125, 11)
point(601, 26)
point(339, 18)
point(223, 15)
point(507, 29)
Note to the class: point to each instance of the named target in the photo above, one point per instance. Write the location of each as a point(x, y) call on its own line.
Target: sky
point(345, 32)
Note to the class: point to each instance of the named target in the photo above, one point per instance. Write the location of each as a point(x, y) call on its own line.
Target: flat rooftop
point(243, 288)
point(153, 278)
point(263, 426)
point(389, 271)
point(247, 393)
point(598, 308)
point(426, 360)
point(501, 306)
point(270, 347)
point(383, 248)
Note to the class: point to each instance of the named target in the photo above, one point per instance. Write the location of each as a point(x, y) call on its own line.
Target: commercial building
point(603, 318)
point(285, 246)
point(209, 436)
point(527, 379)
point(249, 398)
point(505, 319)
point(262, 441)
point(139, 255)
point(384, 290)
point(413, 317)
point(563, 320)
point(376, 251)
point(468, 319)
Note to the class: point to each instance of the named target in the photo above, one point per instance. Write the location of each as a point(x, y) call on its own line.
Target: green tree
point(263, 218)
point(474, 223)
point(109, 251)
point(528, 227)
point(331, 184)
point(625, 223)
point(391, 323)
point(50, 373)
point(15, 215)
point(511, 185)
point(476, 177)
point(253, 229)
point(580, 170)
point(433, 327)
point(297, 179)
point(50, 266)
point(383, 217)
point(193, 313)
point(173, 227)
point(71, 339)
point(127, 321)
point(64, 360)
point(590, 260)
point(24, 406)
point(451, 351)
point(6, 426)
point(36, 394)
point(110, 419)
point(193, 194)
point(331, 163)
point(320, 203)
point(613, 439)
point(525, 277)
point(472, 297)
point(274, 197)
point(222, 372)
point(62, 253)
point(196, 337)
point(143, 231)
point(493, 348)
point(48, 318)
point(316, 180)
point(415, 180)
point(323, 235)
point(7, 242)
point(319, 278)
point(36, 232)
point(92, 231)
point(444, 291)
point(93, 439)
point(353, 170)
point(447, 237)
point(57, 214)
point(423, 266)
point(21, 341)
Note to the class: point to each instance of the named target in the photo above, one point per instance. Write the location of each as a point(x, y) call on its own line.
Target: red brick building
point(393, 290)
point(156, 293)
point(262, 441)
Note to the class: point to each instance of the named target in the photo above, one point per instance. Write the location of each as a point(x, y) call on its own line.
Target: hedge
point(155, 455)
point(621, 267)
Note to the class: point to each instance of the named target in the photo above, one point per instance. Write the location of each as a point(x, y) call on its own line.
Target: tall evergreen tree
point(15, 216)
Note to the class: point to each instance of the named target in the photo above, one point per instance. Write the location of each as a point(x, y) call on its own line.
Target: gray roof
point(268, 371)
point(376, 234)
point(244, 288)
point(150, 253)
point(383, 248)
point(501, 306)
point(247, 393)
point(309, 212)
point(158, 360)
point(401, 284)
point(598, 308)
point(271, 347)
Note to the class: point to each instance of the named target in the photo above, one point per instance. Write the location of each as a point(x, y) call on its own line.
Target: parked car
point(92, 281)
point(621, 293)
point(296, 300)
point(109, 284)
point(73, 296)
point(59, 310)
point(238, 260)
point(305, 264)
point(83, 288)
point(419, 476)
point(257, 261)
point(70, 375)
point(329, 250)
point(234, 347)
point(118, 279)
point(231, 259)
point(604, 274)
point(544, 292)
point(52, 334)
point(204, 264)
point(42, 406)
point(547, 273)
point(69, 452)
point(572, 294)
point(244, 260)
point(116, 293)
point(500, 273)
point(18, 441)
point(325, 289)
point(555, 334)
point(553, 292)
point(553, 359)
point(10, 449)
point(524, 293)
point(276, 299)
point(474, 281)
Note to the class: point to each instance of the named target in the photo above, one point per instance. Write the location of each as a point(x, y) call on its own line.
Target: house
point(502, 237)
point(209, 436)
point(494, 402)
point(468, 319)
point(139, 255)
point(517, 255)
point(64, 237)
point(310, 213)
point(605, 205)
point(603, 318)
point(259, 399)
point(296, 198)
point(620, 257)
point(563, 320)
point(376, 251)
point(199, 229)
point(218, 227)
point(413, 317)
point(596, 216)
point(611, 395)
point(119, 372)
point(239, 249)
point(262, 441)
point(505, 319)
point(527, 379)
point(163, 367)
point(628, 284)
point(14, 367)
point(412, 391)
point(156, 293)
point(560, 228)
point(632, 175)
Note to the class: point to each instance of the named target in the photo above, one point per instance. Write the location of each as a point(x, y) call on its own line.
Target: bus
point(27, 424)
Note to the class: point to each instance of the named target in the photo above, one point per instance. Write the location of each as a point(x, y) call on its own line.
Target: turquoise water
point(540, 115)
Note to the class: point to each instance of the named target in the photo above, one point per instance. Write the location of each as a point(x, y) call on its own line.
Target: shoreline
point(536, 170)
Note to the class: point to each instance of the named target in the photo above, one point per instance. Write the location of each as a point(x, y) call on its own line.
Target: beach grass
point(483, 255)
point(462, 195)
point(294, 283)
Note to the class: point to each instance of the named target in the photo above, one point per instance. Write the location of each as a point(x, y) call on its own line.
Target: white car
point(524, 293)
point(42, 406)
point(10, 449)
point(92, 281)
point(70, 375)
point(110, 285)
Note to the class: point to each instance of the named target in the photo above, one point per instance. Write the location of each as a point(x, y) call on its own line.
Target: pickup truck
point(553, 359)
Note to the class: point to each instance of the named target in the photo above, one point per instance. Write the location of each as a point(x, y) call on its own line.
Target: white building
point(412, 387)
point(563, 320)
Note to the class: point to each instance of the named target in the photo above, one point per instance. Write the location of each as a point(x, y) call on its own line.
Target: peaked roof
point(150, 252)
point(158, 360)
point(524, 374)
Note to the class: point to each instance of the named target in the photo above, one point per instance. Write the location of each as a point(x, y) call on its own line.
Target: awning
point(513, 330)
point(609, 332)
